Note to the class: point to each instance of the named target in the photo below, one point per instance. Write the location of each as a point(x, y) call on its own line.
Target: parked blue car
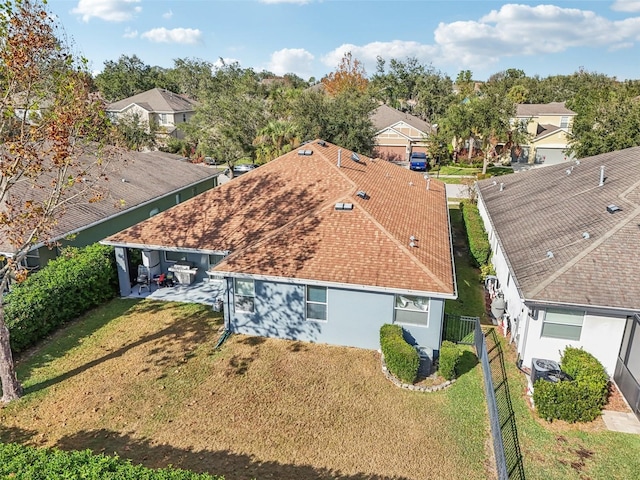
point(418, 161)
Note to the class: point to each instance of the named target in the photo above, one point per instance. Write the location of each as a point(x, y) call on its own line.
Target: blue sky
point(309, 37)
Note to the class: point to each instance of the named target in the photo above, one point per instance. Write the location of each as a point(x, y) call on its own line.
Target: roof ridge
point(575, 260)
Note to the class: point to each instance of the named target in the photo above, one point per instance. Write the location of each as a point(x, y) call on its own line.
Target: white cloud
point(292, 60)
point(109, 10)
point(168, 14)
point(367, 54)
point(128, 33)
point(298, 2)
point(626, 6)
point(525, 30)
point(186, 36)
point(220, 62)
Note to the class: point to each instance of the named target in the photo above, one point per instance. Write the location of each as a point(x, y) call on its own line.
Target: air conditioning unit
point(544, 369)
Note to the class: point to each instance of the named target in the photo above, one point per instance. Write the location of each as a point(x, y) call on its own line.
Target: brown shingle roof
point(134, 178)
point(280, 220)
point(547, 210)
point(385, 116)
point(156, 100)
point(537, 109)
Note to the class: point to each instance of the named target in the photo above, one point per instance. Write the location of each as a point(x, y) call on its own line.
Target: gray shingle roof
point(549, 210)
point(147, 176)
point(536, 109)
point(156, 100)
point(384, 116)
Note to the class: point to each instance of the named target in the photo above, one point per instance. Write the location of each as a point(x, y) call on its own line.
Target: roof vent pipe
point(601, 175)
point(501, 186)
point(339, 157)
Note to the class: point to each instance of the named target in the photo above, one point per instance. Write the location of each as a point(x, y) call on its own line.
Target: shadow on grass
point(184, 327)
point(468, 361)
point(220, 462)
point(16, 435)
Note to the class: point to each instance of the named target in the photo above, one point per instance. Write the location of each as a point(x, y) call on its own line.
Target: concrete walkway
point(625, 422)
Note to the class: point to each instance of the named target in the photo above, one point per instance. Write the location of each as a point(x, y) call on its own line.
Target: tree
point(344, 120)
point(349, 76)
point(48, 116)
point(127, 77)
point(190, 76)
point(134, 133)
point(276, 138)
point(482, 119)
point(229, 116)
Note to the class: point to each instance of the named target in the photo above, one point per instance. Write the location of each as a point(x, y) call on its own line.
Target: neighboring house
point(167, 109)
point(140, 185)
point(398, 133)
point(564, 241)
point(549, 126)
point(317, 245)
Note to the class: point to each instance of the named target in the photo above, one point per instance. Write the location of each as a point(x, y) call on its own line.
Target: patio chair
point(142, 280)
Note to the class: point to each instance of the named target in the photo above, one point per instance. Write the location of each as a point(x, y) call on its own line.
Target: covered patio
point(206, 291)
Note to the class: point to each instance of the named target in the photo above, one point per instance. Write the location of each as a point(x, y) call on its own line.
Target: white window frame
point(168, 260)
point(414, 304)
point(564, 122)
point(552, 320)
point(308, 302)
point(235, 295)
point(162, 118)
point(214, 255)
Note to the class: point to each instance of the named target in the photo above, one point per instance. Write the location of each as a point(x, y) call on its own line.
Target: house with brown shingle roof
point(549, 128)
point(398, 133)
point(137, 185)
point(565, 247)
point(158, 105)
point(320, 244)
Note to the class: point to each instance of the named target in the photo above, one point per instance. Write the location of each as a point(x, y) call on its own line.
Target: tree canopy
point(49, 119)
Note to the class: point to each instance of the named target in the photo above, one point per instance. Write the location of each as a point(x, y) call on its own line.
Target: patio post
point(122, 264)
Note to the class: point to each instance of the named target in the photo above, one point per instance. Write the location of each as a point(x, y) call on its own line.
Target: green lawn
point(470, 300)
point(141, 379)
point(569, 451)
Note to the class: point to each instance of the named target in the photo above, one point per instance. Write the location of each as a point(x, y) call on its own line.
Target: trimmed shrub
point(448, 360)
point(476, 234)
point(401, 358)
point(78, 280)
point(579, 400)
point(17, 461)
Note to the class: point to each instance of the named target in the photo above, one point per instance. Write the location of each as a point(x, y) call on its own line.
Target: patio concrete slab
point(205, 292)
point(625, 422)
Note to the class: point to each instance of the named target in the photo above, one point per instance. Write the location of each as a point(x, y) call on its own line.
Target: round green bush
point(401, 358)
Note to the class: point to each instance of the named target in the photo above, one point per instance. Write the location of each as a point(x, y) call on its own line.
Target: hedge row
point(401, 358)
point(68, 286)
point(19, 462)
point(448, 360)
point(476, 234)
point(579, 400)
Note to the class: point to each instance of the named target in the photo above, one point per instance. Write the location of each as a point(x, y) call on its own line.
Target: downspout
point(526, 333)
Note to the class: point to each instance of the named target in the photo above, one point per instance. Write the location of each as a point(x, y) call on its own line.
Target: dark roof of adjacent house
point(156, 100)
point(281, 220)
point(385, 116)
point(546, 130)
point(562, 244)
point(133, 179)
point(537, 109)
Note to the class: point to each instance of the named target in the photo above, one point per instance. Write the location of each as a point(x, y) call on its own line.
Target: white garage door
point(551, 156)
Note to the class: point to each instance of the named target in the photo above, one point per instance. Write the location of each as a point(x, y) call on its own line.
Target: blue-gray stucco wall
point(354, 317)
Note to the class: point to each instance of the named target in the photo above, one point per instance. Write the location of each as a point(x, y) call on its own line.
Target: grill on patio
point(184, 273)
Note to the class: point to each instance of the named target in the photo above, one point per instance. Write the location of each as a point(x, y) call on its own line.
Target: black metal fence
point(459, 329)
point(506, 446)
point(504, 433)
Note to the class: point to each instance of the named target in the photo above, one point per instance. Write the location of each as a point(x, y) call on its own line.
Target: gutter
point(597, 309)
point(346, 286)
